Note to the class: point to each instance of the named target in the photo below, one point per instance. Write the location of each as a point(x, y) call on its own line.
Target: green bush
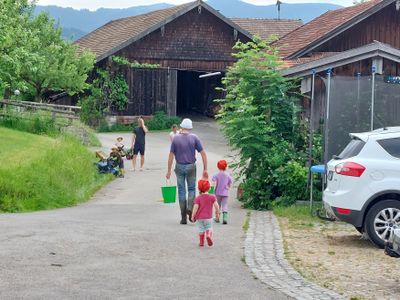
point(92, 112)
point(38, 172)
point(260, 118)
point(161, 121)
point(42, 123)
point(291, 180)
point(32, 122)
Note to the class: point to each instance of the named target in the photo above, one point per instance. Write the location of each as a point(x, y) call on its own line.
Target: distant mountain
point(87, 21)
point(77, 23)
point(303, 11)
point(72, 34)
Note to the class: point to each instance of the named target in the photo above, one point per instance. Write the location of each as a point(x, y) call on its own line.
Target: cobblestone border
point(265, 256)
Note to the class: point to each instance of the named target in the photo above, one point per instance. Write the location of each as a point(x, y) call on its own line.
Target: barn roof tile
point(118, 34)
point(264, 28)
point(315, 32)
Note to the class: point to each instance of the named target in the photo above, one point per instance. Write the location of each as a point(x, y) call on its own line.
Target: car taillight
point(350, 169)
point(343, 211)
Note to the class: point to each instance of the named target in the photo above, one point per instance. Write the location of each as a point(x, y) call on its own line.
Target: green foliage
point(161, 121)
point(33, 56)
point(125, 62)
point(108, 91)
point(115, 128)
point(14, 19)
point(38, 172)
point(118, 88)
point(259, 116)
point(291, 181)
point(33, 122)
point(42, 123)
point(92, 111)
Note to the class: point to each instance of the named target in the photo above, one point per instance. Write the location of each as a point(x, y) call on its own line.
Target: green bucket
point(169, 194)
point(212, 190)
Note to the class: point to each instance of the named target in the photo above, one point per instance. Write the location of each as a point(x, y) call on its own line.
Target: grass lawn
point(298, 215)
point(39, 172)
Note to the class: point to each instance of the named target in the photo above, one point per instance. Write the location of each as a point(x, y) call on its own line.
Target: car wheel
point(381, 220)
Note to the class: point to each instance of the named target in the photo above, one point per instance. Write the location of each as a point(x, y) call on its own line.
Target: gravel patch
point(335, 256)
point(264, 253)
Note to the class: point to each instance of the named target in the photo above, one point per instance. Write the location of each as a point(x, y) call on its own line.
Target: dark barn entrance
point(195, 95)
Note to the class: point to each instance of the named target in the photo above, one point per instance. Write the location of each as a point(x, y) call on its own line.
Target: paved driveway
point(126, 244)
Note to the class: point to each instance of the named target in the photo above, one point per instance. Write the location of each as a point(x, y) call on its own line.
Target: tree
point(54, 64)
point(14, 19)
point(34, 57)
point(356, 2)
point(259, 116)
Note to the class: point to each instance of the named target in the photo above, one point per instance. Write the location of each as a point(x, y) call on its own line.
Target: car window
point(391, 146)
point(352, 149)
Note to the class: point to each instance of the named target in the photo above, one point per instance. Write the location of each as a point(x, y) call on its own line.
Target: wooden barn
point(349, 60)
point(186, 41)
point(353, 41)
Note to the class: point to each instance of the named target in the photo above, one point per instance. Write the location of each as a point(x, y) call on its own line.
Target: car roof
point(381, 133)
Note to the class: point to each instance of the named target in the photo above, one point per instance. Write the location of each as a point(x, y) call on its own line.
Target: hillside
point(77, 23)
point(39, 172)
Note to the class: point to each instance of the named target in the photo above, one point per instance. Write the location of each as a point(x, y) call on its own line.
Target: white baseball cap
point(186, 124)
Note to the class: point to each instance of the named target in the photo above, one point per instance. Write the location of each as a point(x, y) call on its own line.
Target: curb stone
point(265, 256)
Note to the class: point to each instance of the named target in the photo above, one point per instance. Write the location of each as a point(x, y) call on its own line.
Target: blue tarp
point(318, 169)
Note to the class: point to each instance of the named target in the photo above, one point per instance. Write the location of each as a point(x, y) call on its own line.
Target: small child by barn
point(203, 212)
point(115, 159)
point(223, 182)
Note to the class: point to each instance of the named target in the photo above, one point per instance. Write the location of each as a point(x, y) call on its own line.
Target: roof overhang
point(375, 49)
point(171, 18)
point(340, 29)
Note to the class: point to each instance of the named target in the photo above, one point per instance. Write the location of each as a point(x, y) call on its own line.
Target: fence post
point(373, 97)
point(328, 98)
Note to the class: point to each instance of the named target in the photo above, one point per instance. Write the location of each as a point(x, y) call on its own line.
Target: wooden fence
point(57, 111)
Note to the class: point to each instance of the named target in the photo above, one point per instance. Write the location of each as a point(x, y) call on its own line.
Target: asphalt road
point(126, 244)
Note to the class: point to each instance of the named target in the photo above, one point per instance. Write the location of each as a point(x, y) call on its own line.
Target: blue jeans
point(186, 174)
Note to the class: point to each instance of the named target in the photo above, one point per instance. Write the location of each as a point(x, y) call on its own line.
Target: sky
point(95, 4)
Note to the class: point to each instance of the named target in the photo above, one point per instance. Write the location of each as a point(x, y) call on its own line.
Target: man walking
point(138, 143)
point(183, 148)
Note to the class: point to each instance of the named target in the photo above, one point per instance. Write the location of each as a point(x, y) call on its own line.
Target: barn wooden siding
point(195, 41)
point(150, 90)
point(382, 26)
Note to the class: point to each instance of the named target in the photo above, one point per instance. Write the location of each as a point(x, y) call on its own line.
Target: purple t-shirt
point(205, 203)
point(184, 146)
point(224, 181)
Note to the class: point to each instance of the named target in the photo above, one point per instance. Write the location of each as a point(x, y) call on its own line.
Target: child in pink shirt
point(223, 183)
point(203, 211)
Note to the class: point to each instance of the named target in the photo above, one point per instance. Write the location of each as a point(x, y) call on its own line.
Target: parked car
point(363, 184)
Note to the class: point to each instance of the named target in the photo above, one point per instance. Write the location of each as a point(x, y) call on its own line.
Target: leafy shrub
point(92, 112)
point(108, 91)
point(260, 118)
point(291, 180)
point(161, 121)
point(33, 122)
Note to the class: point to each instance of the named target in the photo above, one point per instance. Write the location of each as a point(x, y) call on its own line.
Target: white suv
point(363, 183)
